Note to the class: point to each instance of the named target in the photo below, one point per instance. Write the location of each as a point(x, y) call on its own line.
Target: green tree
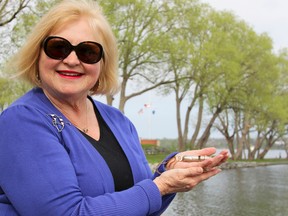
point(28, 20)
point(272, 121)
point(139, 26)
point(9, 9)
point(255, 117)
point(184, 59)
point(10, 90)
point(24, 13)
point(209, 59)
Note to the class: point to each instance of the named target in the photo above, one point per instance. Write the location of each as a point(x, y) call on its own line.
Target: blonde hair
point(61, 14)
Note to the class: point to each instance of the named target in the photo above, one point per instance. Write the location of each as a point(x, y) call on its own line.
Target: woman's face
point(69, 77)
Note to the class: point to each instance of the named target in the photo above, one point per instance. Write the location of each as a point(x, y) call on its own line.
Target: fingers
point(182, 176)
point(204, 151)
point(211, 162)
point(182, 180)
point(204, 163)
point(178, 180)
point(191, 181)
point(225, 156)
point(215, 162)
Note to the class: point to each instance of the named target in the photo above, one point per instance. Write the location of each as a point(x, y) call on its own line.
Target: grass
point(155, 158)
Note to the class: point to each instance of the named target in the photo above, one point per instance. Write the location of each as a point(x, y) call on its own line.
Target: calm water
point(271, 154)
point(260, 191)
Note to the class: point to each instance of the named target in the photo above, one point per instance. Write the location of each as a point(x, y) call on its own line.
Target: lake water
point(271, 154)
point(259, 191)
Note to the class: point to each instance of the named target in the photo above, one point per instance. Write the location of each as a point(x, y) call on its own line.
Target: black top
point(113, 154)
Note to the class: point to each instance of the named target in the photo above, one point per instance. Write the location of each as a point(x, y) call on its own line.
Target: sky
point(268, 16)
point(154, 116)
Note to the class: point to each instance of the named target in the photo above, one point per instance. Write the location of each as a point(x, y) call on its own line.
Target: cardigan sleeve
point(38, 178)
point(167, 199)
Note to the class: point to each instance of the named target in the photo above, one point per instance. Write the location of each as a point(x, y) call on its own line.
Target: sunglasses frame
point(72, 48)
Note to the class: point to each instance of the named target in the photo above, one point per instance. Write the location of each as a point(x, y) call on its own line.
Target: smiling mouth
point(69, 74)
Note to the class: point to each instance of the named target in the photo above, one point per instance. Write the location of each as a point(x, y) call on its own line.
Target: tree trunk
point(181, 144)
point(109, 99)
point(204, 138)
point(257, 146)
point(198, 125)
point(123, 97)
point(270, 143)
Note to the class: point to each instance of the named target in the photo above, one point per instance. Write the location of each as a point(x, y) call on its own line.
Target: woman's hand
point(182, 176)
point(207, 164)
point(182, 179)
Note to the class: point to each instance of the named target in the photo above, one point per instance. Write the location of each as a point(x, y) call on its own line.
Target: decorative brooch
point(57, 122)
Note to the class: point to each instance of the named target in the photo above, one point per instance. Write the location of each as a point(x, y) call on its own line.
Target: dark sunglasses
point(59, 48)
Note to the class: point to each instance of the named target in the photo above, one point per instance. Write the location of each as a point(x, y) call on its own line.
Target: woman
point(63, 153)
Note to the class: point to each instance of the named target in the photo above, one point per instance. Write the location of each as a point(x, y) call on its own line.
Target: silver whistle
point(191, 158)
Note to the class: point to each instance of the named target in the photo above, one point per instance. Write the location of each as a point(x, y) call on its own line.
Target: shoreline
point(238, 164)
point(248, 164)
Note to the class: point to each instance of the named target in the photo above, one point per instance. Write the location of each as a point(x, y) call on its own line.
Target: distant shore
point(247, 164)
point(241, 164)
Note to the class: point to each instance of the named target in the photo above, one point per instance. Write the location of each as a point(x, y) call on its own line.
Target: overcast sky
point(159, 120)
point(268, 16)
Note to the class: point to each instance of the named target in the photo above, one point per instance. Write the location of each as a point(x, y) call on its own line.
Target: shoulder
point(33, 98)
point(29, 111)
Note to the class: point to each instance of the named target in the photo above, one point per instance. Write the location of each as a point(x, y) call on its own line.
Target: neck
point(76, 113)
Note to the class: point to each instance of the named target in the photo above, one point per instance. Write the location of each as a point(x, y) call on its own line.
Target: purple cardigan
point(47, 167)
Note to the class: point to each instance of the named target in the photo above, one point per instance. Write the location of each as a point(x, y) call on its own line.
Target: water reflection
point(260, 191)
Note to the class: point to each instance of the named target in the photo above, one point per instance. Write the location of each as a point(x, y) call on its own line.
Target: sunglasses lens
point(89, 52)
point(57, 48)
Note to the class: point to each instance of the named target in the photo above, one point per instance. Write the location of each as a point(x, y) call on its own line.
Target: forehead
point(76, 31)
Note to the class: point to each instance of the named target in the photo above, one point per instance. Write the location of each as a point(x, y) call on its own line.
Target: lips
point(68, 74)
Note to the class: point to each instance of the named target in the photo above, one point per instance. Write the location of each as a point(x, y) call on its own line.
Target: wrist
point(160, 186)
point(162, 166)
point(171, 163)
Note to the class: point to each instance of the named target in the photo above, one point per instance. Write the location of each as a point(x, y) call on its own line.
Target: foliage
point(10, 90)
point(139, 26)
point(24, 14)
point(9, 9)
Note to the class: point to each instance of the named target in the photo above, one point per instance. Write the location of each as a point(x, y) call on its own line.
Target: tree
point(9, 9)
point(28, 20)
point(211, 66)
point(139, 27)
point(16, 20)
point(275, 113)
point(258, 115)
point(10, 90)
point(189, 64)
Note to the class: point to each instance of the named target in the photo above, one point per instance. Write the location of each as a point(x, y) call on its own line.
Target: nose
point(72, 59)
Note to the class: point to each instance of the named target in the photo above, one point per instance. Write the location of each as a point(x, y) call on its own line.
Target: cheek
point(45, 63)
point(95, 70)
